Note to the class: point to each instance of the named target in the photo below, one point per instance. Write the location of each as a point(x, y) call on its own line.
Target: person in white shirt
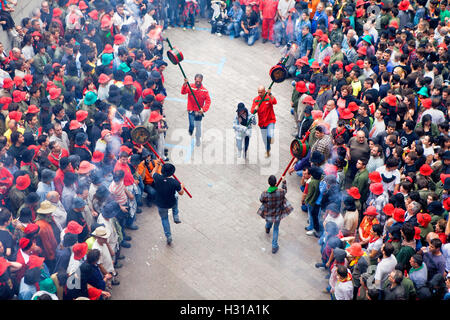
point(378, 124)
point(344, 286)
point(105, 263)
point(385, 265)
point(330, 114)
point(390, 175)
point(437, 116)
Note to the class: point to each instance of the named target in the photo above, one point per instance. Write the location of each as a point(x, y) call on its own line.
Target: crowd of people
point(370, 98)
point(79, 77)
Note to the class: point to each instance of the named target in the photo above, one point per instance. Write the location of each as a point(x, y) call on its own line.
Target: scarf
point(272, 189)
point(373, 239)
point(348, 278)
point(33, 167)
point(414, 270)
point(386, 179)
point(82, 147)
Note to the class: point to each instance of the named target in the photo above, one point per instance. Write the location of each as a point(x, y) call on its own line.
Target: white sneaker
point(219, 34)
point(193, 28)
point(310, 233)
point(184, 29)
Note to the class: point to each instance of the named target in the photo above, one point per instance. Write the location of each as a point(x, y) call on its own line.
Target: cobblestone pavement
point(221, 250)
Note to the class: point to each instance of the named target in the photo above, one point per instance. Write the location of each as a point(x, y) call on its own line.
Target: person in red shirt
point(266, 116)
point(195, 114)
point(268, 9)
point(64, 166)
point(56, 153)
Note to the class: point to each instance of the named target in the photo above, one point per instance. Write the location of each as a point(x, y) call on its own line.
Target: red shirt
point(268, 8)
point(54, 159)
point(266, 115)
point(128, 179)
point(201, 94)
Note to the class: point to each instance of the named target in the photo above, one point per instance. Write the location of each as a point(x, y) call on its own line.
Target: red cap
point(362, 50)
point(360, 3)
point(104, 133)
point(32, 109)
point(108, 49)
point(73, 227)
point(399, 215)
point(93, 14)
point(388, 209)
point(423, 219)
point(97, 156)
point(57, 12)
point(146, 92)
point(15, 115)
point(403, 5)
point(50, 84)
point(352, 106)
point(85, 167)
point(74, 124)
point(79, 250)
point(94, 293)
point(128, 80)
point(375, 177)
point(324, 38)
point(24, 242)
point(125, 149)
point(54, 93)
point(425, 170)
point(443, 45)
point(18, 81)
point(371, 211)
point(376, 188)
point(8, 83)
point(355, 250)
point(31, 228)
point(360, 63)
point(318, 33)
point(326, 60)
point(316, 114)
point(309, 100)
point(346, 114)
point(28, 79)
point(302, 60)
point(315, 65)
point(19, 96)
point(82, 5)
point(23, 182)
point(354, 193)
point(36, 34)
point(300, 86)
point(340, 64)
point(349, 67)
point(81, 115)
point(119, 38)
point(426, 103)
point(35, 261)
point(312, 87)
point(5, 101)
point(103, 78)
point(360, 12)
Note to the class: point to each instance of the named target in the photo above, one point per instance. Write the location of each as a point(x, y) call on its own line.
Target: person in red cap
point(366, 224)
point(195, 115)
point(263, 106)
point(18, 192)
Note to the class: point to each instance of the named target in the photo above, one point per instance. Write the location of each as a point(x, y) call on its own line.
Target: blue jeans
point(311, 224)
point(250, 37)
point(234, 28)
point(279, 32)
point(164, 214)
point(267, 134)
point(151, 193)
point(195, 122)
point(276, 225)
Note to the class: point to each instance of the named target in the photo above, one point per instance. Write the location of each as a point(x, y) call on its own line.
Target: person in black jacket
point(80, 147)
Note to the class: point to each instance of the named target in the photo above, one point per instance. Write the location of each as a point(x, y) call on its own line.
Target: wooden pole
point(131, 124)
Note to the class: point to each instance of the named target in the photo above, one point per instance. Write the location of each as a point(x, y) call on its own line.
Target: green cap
point(423, 91)
point(47, 285)
point(124, 67)
point(107, 58)
point(367, 38)
point(90, 98)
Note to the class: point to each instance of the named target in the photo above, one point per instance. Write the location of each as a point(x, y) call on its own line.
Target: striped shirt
point(118, 192)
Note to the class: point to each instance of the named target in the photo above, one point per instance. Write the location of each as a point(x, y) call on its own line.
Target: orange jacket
point(145, 173)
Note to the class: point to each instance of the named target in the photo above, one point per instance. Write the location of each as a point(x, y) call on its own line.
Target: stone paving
point(221, 250)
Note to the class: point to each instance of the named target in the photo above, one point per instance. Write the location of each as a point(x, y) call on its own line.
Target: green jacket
point(40, 61)
point(403, 256)
point(334, 58)
point(361, 181)
point(34, 178)
point(17, 199)
point(313, 192)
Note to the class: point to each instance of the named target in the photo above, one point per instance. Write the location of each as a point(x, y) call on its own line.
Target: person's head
point(435, 246)
point(377, 230)
point(17, 138)
point(5, 217)
point(360, 137)
point(261, 91)
point(416, 261)
point(118, 176)
point(272, 181)
point(198, 80)
point(330, 105)
point(93, 256)
point(341, 272)
point(361, 164)
point(407, 231)
point(387, 249)
point(123, 157)
point(305, 30)
point(396, 277)
point(248, 10)
point(320, 132)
